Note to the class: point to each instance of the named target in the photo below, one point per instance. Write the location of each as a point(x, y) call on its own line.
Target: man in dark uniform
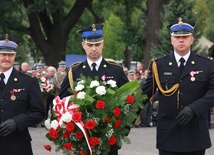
point(21, 103)
point(185, 82)
point(92, 43)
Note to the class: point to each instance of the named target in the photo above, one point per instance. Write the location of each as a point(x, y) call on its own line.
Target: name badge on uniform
point(167, 73)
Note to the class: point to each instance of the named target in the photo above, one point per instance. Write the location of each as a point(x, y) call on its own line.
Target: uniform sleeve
point(64, 88)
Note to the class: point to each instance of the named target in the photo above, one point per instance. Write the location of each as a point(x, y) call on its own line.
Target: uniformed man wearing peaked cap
point(185, 84)
point(16, 65)
point(21, 103)
point(62, 63)
point(94, 65)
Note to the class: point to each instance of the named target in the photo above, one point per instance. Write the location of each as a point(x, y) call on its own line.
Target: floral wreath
point(97, 116)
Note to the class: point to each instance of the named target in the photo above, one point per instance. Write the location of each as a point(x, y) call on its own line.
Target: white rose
point(81, 82)
point(66, 117)
point(43, 79)
point(54, 124)
point(47, 123)
point(112, 83)
point(101, 90)
point(81, 95)
point(79, 87)
point(94, 83)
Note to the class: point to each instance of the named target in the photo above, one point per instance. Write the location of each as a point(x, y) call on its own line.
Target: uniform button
point(182, 106)
point(181, 81)
point(1, 100)
point(2, 110)
point(181, 93)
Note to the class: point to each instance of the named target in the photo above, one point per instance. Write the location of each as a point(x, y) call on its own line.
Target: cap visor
point(181, 34)
point(94, 40)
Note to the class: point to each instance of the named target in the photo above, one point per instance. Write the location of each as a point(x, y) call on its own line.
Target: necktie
point(182, 60)
point(2, 84)
point(94, 71)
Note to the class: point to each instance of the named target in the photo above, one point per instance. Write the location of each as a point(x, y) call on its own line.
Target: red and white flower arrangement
point(98, 115)
point(46, 87)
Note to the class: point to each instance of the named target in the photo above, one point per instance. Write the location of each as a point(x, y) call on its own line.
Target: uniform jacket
point(196, 92)
point(27, 109)
point(109, 69)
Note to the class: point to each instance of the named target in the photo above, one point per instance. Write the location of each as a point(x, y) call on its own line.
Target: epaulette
point(205, 57)
point(75, 64)
point(160, 57)
point(113, 63)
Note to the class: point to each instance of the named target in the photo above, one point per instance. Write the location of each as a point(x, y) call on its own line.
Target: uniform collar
point(98, 62)
point(177, 57)
point(7, 74)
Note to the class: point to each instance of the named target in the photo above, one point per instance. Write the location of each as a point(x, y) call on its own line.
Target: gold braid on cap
point(169, 92)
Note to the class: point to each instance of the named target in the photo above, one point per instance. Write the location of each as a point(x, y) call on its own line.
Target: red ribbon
point(62, 106)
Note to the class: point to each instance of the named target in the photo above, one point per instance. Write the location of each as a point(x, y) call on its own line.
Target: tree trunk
point(154, 23)
point(51, 34)
point(127, 57)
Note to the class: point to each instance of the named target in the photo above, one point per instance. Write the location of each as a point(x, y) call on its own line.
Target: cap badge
point(6, 38)
point(180, 21)
point(94, 28)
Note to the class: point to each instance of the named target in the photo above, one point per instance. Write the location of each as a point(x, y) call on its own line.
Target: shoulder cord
point(70, 77)
point(169, 92)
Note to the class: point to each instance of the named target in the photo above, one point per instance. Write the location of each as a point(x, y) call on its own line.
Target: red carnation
point(68, 146)
point(100, 104)
point(130, 99)
point(112, 140)
point(79, 135)
point(107, 119)
point(47, 147)
point(90, 124)
point(66, 134)
point(116, 111)
point(70, 127)
point(53, 134)
point(117, 123)
point(77, 116)
point(93, 141)
point(83, 153)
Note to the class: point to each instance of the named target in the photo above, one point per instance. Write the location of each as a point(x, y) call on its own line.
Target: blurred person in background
point(16, 65)
point(24, 67)
point(59, 76)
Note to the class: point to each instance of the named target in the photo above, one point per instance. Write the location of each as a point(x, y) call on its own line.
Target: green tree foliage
point(113, 37)
point(209, 31)
point(52, 24)
point(48, 23)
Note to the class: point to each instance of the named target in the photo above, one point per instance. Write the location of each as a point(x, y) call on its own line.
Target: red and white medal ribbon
point(192, 73)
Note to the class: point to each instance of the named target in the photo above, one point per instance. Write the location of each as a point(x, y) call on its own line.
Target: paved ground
point(142, 142)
